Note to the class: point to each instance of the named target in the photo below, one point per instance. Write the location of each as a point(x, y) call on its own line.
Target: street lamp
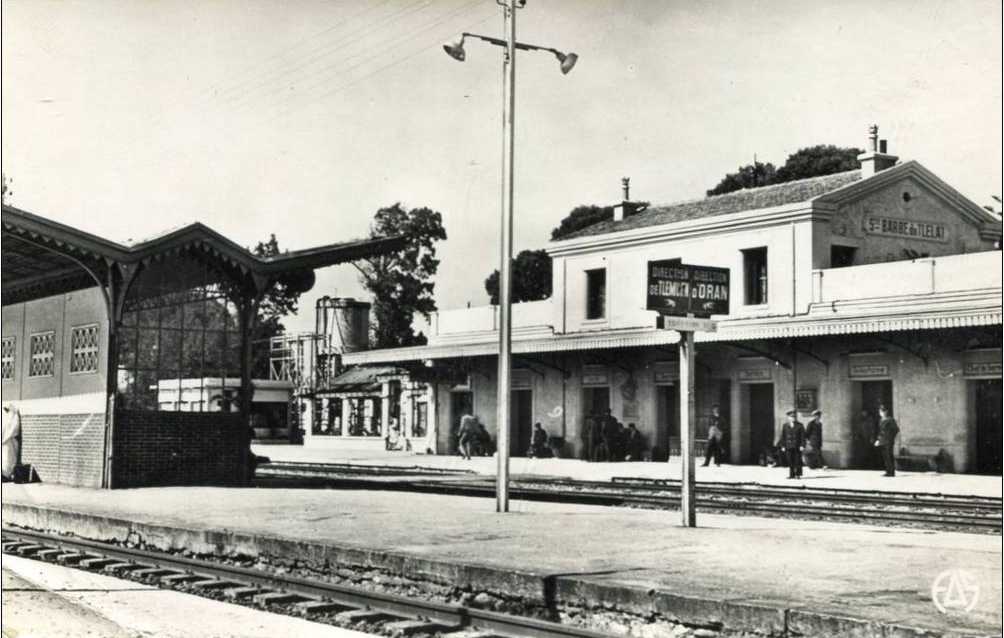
point(455, 49)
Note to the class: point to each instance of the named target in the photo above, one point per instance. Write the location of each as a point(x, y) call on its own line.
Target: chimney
point(876, 158)
point(627, 208)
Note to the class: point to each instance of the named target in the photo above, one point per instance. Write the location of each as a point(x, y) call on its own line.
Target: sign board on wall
point(868, 370)
point(595, 376)
point(982, 369)
point(905, 228)
point(753, 374)
point(675, 288)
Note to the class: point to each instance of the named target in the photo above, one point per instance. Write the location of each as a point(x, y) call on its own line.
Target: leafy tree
point(748, 176)
point(822, 159)
point(281, 300)
point(812, 161)
point(402, 282)
point(6, 192)
point(581, 217)
point(531, 278)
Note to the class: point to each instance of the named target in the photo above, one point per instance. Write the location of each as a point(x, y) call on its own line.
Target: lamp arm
point(499, 42)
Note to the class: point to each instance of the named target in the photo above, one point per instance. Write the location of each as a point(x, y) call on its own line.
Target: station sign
point(675, 288)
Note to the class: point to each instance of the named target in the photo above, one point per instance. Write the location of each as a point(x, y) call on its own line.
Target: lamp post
point(455, 49)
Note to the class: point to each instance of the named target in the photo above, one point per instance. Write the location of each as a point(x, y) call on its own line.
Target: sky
point(302, 118)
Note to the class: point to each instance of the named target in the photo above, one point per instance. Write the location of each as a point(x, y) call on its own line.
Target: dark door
point(667, 432)
point(874, 394)
point(761, 419)
point(725, 408)
point(521, 418)
point(988, 426)
point(461, 403)
point(596, 401)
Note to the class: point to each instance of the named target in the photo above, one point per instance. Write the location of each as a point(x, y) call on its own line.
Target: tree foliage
point(402, 282)
point(282, 300)
point(812, 161)
point(748, 176)
point(580, 217)
point(531, 278)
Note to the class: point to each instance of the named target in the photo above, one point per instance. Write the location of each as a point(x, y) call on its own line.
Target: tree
point(748, 176)
point(281, 300)
point(7, 192)
point(531, 278)
point(581, 217)
point(402, 282)
point(813, 161)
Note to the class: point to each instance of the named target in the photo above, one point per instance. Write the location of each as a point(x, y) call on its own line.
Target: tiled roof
point(734, 202)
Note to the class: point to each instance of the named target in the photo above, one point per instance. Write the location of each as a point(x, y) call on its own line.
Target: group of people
point(608, 440)
point(803, 444)
point(473, 439)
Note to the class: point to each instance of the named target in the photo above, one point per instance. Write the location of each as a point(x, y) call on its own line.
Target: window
point(755, 276)
point(7, 358)
point(596, 293)
point(841, 256)
point(84, 347)
point(42, 349)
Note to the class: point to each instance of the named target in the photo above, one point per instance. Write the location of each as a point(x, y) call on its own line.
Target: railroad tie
point(29, 550)
point(308, 607)
point(240, 593)
point(365, 615)
point(178, 579)
point(278, 598)
point(409, 627)
point(49, 554)
point(152, 572)
point(97, 563)
point(121, 568)
point(70, 558)
point(210, 584)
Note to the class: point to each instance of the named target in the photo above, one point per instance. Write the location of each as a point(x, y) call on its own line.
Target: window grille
point(42, 349)
point(84, 345)
point(7, 358)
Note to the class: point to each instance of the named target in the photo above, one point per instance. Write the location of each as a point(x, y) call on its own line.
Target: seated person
point(538, 443)
point(394, 440)
point(634, 444)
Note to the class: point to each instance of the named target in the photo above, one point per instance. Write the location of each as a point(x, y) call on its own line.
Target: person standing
point(792, 441)
point(887, 431)
point(538, 442)
point(713, 448)
point(814, 441)
point(465, 435)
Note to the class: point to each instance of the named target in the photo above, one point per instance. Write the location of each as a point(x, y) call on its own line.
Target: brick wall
point(64, 448)
point(179, 448)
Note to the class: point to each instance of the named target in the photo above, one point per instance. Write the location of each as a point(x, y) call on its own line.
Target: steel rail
point(798, 504)
point(452, 618)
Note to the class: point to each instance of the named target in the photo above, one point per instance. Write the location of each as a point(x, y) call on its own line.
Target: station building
point(873, 286)
point(129, 363)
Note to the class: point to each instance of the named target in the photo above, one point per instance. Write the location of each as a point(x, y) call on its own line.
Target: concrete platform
point(917, 482)
point(743, 572)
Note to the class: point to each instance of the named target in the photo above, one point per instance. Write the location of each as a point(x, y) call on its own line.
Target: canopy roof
point(42, 257)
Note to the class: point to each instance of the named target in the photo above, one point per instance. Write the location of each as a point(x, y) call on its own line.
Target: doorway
point(761, 419)
point(461, 403)
point(987, 394)
point(867, 397)
point(520, 421)
point(667, 432)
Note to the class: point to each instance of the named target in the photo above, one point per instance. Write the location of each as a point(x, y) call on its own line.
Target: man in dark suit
point(888, 430)
point(814, 440)
point(792, 441)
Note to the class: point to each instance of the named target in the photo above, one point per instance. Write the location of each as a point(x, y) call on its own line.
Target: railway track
point(925, 511)
point(337, 604)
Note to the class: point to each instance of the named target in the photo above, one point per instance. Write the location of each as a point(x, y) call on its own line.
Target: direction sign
point(681, 289)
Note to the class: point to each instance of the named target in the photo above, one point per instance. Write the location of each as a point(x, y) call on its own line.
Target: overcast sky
point(302, 118)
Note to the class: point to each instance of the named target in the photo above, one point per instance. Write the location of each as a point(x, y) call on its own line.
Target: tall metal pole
point(505, 267)
point(687, 410)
